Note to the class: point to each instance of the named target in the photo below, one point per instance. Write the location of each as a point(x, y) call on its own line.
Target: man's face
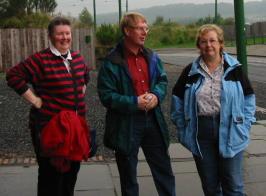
point(61, 38)
point(136, 35)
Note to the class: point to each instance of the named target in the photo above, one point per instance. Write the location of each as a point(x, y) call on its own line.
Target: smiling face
point(209, 45)
point(61, 38)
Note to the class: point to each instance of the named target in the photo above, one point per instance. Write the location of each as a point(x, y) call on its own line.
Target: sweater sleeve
point(27, 71)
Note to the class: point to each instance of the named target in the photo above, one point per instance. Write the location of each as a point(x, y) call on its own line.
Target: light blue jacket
point(236, 114)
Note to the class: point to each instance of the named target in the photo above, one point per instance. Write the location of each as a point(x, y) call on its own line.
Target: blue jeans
point(219, 176)
point(146, 135)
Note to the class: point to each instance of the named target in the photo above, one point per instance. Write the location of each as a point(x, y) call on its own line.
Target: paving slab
point(255, 174)
point(254, 161)
point(142, 170)
point(261, 122)
point(183, 167)
point(185, 175)
point(258, 130)
point(94, 179)
point(95, 193)
point(256, 147)
point(146, 186)
point(258, 133)
point(16, 180)
point(176, 151)
point(186, 185)
point(255, 189)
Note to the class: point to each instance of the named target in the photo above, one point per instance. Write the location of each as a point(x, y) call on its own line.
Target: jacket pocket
point(238, 133)
point(111, 130)
point(186, 134)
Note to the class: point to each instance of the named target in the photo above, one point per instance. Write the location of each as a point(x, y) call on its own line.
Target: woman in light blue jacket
point(213, 107)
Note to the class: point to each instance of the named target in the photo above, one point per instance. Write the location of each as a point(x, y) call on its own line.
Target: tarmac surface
point(99, 177)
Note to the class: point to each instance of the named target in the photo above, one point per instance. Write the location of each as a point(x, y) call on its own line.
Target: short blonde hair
point(130, 19)
point(207, 28)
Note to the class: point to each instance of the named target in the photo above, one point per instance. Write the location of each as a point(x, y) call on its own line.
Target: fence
point(18, 44)
point(255, 33)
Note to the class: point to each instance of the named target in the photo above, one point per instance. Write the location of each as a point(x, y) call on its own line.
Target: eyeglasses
point(205, 42)
point(141, 29)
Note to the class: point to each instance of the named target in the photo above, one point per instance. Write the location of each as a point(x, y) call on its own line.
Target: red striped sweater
point(51, 81)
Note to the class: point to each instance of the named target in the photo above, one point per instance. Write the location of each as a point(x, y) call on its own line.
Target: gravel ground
point(15, 139)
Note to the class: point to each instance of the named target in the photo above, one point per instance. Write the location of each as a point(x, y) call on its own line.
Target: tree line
point(11, 8)
point(35, 14)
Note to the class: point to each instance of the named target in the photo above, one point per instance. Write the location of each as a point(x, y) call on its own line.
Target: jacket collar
point(117, 55)
point(229, 62)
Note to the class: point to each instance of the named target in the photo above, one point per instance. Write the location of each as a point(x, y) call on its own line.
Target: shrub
point(12, 22)
point(108, 34)
point(35, 20)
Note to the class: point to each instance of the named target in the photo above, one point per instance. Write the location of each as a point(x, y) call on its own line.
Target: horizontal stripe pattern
point(51, 81)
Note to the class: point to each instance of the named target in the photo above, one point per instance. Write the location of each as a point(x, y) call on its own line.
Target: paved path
point(102, 179)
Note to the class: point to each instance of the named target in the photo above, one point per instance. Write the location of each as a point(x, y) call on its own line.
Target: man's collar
point(57, 53)
point(130, 52)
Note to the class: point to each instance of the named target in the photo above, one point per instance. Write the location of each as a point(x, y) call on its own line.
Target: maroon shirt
point(139, 71)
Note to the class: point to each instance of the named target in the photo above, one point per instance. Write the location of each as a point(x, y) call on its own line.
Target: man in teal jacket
point(132, 85)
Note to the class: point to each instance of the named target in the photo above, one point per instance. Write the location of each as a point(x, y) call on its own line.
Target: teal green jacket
point(116, 92)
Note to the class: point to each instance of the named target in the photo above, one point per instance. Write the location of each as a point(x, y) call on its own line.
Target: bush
point(36, 20)
point(171, 35)
point(108, 34)
point(12, 22)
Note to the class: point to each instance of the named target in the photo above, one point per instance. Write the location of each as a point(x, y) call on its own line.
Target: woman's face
point(61, 38)
point(209, 45)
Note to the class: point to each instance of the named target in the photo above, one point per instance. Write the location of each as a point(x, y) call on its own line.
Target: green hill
point(189, 12)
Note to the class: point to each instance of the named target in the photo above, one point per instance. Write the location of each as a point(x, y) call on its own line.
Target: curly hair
point(207, 28)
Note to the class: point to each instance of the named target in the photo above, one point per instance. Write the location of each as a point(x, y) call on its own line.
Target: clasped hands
point(147, 101)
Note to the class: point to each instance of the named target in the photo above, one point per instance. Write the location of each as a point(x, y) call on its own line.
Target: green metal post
point(240, 33)
point(120, 10)
point(216, 13)
point(94, 15)
point(126, 5)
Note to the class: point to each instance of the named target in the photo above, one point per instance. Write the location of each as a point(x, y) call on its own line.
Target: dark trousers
point(146, 135)
point(54, 183)
point(50, 181)
point(219, 176)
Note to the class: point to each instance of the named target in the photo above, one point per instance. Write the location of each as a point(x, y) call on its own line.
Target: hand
point(142, 102)
point(37, 103)
point(84, 89)
point(152, 101)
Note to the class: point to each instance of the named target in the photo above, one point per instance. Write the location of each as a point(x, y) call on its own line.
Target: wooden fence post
point(18, 44)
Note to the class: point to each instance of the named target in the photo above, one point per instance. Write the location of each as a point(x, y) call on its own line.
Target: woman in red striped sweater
point(58, 79)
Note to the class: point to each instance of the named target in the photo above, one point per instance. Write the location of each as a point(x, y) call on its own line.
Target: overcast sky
point(74, 7)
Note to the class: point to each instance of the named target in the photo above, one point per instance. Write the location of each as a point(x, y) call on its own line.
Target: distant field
point(191, 44)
